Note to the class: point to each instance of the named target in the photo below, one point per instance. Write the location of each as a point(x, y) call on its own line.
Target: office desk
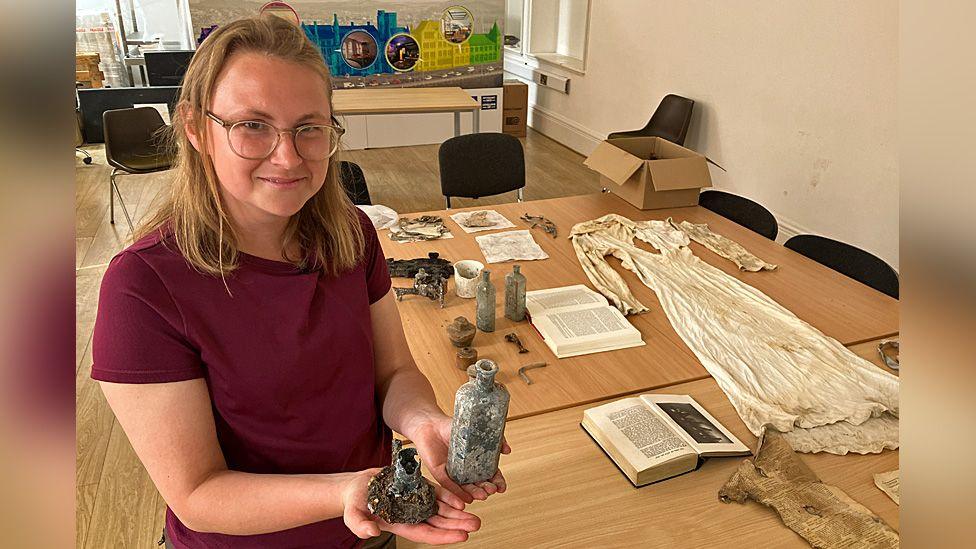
point(564, 491)
point(838, 306)
point(407, 101)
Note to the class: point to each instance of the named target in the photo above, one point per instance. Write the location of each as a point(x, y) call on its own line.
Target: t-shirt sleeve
point(378, 281)
point(139, 332)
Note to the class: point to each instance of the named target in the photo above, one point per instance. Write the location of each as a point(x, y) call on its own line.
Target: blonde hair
point(327, 227)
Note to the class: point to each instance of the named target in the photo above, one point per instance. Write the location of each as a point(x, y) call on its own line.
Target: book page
point(637, 433)
point(702, 431)
point(577, 323)
point(540, 302)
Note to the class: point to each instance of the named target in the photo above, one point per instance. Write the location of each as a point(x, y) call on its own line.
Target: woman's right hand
point(451, 524)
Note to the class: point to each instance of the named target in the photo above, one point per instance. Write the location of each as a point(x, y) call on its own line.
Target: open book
point(653, 437)
point(575, 320)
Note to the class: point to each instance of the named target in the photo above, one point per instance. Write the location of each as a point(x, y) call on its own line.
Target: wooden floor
point(116, 503)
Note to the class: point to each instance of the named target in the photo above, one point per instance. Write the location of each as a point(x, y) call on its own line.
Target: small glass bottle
point(515, 295)
point(485, 312)
point(480, 408)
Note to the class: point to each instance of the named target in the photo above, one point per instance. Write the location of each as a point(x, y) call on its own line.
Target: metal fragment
point(514, 338)
point(527, 367)
point(535, 221)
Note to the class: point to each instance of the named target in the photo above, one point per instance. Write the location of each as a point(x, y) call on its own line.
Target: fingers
point(499, 481)
point(475, 491)
point(506, 449)
point(449, 518)
point(360, 524)
point(488, 487)
point(425, 533)
point(460, 495)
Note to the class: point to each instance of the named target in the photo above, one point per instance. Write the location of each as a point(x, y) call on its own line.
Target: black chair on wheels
point(354, 181)
point(481, 164)
point(133, 145)
point(743, 211)
point(848, 260)
point(670, 121)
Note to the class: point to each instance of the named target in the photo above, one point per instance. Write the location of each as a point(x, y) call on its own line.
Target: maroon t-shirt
point(288, 361)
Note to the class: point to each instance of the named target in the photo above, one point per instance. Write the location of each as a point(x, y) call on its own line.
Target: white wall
point(795, 99)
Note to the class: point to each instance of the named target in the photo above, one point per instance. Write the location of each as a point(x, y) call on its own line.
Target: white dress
point(776, 369)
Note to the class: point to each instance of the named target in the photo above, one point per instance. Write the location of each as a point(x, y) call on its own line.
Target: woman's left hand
point(431, 437)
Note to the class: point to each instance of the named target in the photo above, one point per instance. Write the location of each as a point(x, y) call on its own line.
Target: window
point(550, 31)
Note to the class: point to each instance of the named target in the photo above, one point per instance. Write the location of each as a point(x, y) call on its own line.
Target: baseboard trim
point(788, 228)
point(563, 130)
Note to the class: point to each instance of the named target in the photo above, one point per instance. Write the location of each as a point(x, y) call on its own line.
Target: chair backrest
point(743, 211)
point(848, 260)
point(354, 181)
point(131, 133)
point(671, 119)
point(481, 164)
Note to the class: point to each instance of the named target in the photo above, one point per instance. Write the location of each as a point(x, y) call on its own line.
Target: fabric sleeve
point(139, 332)
point(378, 281)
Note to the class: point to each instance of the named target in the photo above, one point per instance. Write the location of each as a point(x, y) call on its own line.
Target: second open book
point(575, 320)
point(653, 437)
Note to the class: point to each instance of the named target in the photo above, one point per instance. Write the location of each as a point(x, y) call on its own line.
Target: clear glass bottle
point(485, 313)
point(515, 295)
point(480, 408)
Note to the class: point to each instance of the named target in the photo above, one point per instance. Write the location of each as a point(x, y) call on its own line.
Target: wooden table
point(408, 101)
point(564, 491)
point(839, 306)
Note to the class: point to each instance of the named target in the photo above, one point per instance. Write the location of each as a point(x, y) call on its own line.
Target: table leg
point(476, 121)
point(457, 123)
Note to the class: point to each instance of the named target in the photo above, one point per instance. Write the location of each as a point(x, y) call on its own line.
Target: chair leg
point(448, 202)
point(125, 210)
point(518, 194)
point(111, 196)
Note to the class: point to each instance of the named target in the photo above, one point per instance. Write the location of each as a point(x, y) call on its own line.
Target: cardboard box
point(515, 95)
point(650, 172)
point(514, 121)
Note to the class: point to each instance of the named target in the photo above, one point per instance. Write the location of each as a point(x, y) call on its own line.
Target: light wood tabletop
point(402, 100)
point(833, 303)
point(564, 491)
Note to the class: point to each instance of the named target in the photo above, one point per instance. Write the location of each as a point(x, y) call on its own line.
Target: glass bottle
point(485, 312)
point(480, 407)
point(515, 295)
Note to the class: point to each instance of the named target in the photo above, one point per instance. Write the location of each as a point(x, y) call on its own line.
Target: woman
point(248, 342)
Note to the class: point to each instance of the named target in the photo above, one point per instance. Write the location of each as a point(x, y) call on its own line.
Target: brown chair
point(670, 121)
point(133, 145)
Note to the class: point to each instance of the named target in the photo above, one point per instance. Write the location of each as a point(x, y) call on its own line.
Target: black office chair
point(133, 145)
point(670, 121)
point(354, 181)
point(481, 164)
point(743, 211)
point(847, 260)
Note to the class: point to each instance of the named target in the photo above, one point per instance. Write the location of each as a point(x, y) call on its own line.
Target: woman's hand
point(431, 437)
point(451, 524)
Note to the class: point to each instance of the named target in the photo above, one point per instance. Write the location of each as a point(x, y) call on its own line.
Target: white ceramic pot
point(467, 275)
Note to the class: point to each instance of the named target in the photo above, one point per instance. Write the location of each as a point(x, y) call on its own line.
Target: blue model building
point(328, 38)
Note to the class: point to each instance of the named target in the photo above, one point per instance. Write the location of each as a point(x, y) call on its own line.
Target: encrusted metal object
point(514, 338)
point(426, 227)
point(515, 295)
point(539, 221)
point(466, 357)
point(399, 493)
point(485, 308)
point(407, 268)
point(430, 286)
point(461, 332)
point(480, 407)
point(890, 361)
point(526, 368)
point(478, 219)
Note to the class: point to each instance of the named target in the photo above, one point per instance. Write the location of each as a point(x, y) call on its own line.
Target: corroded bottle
point(515, 295)
point(485, 311)
point(480, 407)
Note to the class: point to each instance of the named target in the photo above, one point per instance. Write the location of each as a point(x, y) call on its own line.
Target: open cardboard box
point(650, 172)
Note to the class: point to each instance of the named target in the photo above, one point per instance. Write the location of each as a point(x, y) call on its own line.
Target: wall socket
point(557, 83)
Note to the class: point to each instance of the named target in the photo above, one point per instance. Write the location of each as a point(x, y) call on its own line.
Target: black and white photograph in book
point(694, 423)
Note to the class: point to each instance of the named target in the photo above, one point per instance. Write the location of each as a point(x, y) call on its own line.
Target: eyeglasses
point(255, 140)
